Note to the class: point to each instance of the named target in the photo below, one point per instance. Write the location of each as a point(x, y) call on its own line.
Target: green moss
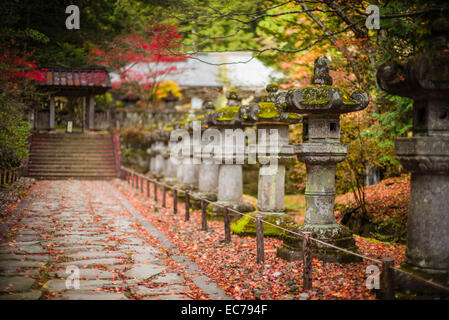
point(294, 116)
point(315, 94)
point(268, 110)
point(319, 95)
point(226, 113)
point(246, 226)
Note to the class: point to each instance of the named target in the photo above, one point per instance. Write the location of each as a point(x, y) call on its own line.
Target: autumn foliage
point(152, 51)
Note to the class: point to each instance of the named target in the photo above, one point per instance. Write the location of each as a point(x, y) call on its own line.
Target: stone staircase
point(77, 156)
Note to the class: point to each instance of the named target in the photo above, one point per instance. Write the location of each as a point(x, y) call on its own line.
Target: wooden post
point(91, 113)
point(155, 192)
point(387, 279)
point(141, 184)
point(7, 177)
point(132, 179)
point(187, 207)
point(227, 226)
point(164, 193)
point(259, 240)
point(175, 201)
point(2, 177)
point(148, 189)
point(51, 121)
point(137, 182)
point(203, 215)
point(307, 263)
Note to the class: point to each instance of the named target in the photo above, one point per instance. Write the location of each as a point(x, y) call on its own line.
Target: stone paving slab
point(15, 284)
point(89, 295)
point(83, 228)
point(29, 295)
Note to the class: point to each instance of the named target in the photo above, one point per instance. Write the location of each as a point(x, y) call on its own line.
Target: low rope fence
point(387, 271)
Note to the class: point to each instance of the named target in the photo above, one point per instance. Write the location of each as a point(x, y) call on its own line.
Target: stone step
point(72, 176)
point(70, 163)
point(63, 156)
point(73, 171)
point(70, 166)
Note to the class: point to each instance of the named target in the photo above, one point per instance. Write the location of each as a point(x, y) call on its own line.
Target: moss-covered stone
point(246, 226)
point(268, 110)
point(408, 286)
point(320, 95)
point(226, 113)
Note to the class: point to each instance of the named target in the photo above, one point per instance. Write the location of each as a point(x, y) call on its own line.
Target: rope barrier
point(301, 235)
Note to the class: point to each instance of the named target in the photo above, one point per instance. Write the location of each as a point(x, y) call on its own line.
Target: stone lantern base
point(211, 196)
point(335, 234)
point(246, 226)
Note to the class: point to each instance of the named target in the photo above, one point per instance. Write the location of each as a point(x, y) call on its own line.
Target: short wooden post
point(175, 201)
point(2, 177)
point(164, 194)
point(307, 263)
point(203, 215)
point(387, 279)
point(155, 191)
point(137, 182)
point(141, 184)
point(7, 177)
point(132, 179)
point(227, 226)
point(187, 207)
point(148, 189)
point(259, 240)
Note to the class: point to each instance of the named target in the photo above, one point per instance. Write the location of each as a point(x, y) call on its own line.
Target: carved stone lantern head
point(321, 104)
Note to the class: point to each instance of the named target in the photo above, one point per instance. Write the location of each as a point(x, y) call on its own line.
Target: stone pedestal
point(190, 176)
point(171, 171)
point(321, 150)
point(207, 181)
point(230, 191)
point(425, 78)
point(321, 160)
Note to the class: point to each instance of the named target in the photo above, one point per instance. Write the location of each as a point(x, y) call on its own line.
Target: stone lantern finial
point(321, 72)
point(233, 98)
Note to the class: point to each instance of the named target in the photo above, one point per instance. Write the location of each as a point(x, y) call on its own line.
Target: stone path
point(84, 240)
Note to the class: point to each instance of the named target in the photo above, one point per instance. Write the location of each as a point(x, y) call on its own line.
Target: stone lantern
point(170, 170)
point(321, 150)
point(158, 149)
point(273, 151)
point(208, 169)
point(151, 153)
point(187, 174)
point(230, 173)
point(425, 79)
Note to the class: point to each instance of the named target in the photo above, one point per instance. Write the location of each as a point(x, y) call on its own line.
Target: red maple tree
point(141, 60)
